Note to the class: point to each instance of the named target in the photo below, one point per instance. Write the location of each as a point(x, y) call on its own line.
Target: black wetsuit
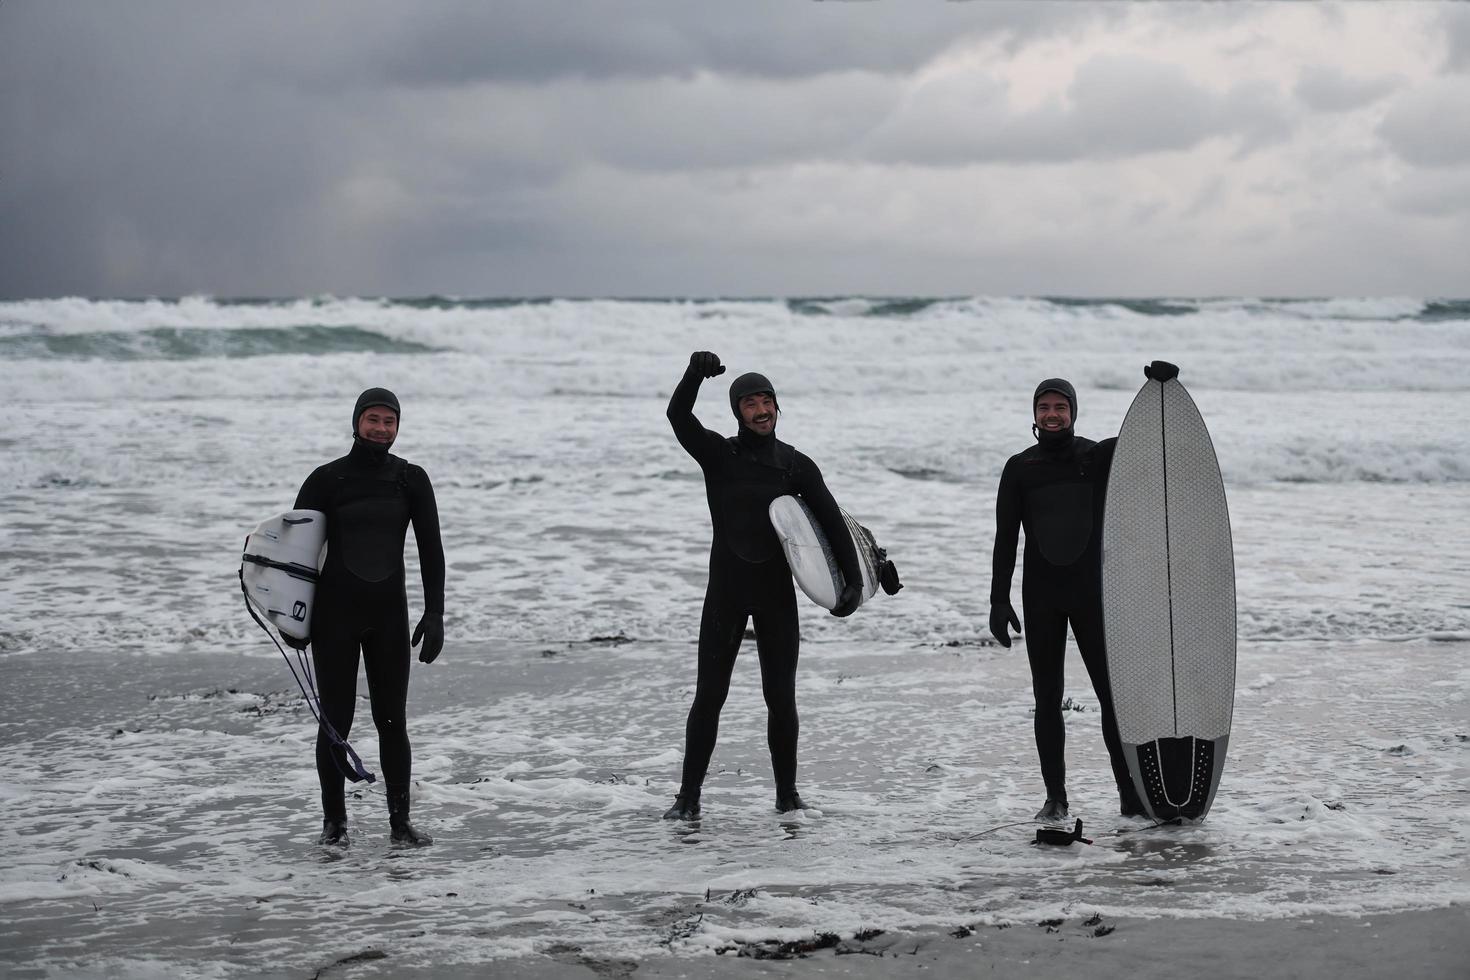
point(749, 578)
point(1056, 491)
point(369, 498)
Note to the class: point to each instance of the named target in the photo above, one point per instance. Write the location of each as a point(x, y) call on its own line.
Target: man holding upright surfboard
point(1056, 489)
point(369, 498)
point(748, 573)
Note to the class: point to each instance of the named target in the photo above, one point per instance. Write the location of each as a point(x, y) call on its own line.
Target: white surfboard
point(809, 553)
point(1168, 581)
point(280, 566)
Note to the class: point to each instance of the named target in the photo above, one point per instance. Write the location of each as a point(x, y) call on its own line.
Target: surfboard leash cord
point(1077, 831)
point(986, 833)
point(313, 701)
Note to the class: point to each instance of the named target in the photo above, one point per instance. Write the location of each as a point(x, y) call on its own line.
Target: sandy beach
point(1423, 945)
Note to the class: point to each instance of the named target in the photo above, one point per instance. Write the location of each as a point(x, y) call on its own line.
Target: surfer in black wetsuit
point(369, 498)
point(1056, 491)
point(748, 574)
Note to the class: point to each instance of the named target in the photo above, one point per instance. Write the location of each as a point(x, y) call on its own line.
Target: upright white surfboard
point(280, 566)
point(1168, 581)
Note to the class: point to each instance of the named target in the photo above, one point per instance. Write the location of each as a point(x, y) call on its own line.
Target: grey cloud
point(1456, 21)
point(113, 169)
point(339, 44)
point(1426, 126)
point(1124, 106)
point(1433, 194)
point(1327, 88)
point(712, 123)
point(518, 40)
point(1116, 108)
point(171, 147)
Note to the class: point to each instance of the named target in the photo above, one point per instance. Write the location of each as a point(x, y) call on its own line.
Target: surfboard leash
point(986, 833)
point(1060, 838)
point(313, 701)
point(1172, 822)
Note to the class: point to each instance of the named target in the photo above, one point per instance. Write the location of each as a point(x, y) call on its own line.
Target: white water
point(569, 512)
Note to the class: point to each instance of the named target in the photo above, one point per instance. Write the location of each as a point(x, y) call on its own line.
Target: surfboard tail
point(1176, 778)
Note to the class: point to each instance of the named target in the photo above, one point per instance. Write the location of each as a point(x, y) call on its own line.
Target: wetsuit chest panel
point(747, 479)
point(747, 523)
point(1058, 518)
point(371, 520)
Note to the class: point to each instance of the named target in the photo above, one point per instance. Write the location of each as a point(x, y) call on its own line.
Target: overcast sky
point(592, 147)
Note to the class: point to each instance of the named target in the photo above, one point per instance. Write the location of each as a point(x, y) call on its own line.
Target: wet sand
point(1426, 945)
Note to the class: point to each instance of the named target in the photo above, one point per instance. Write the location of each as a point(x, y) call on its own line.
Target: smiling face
point(1053, 412)
point(379, 424)
point(758, 412)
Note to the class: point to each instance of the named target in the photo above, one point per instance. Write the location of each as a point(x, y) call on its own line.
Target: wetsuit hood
point(1062, 387)
point(1054, 440)
point(750, 384)
point(373, 398)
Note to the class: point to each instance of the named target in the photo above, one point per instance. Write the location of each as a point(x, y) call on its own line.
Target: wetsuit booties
point(789, 800)
point(403, 832)
point(334, 832)
point(686, 806)
point(1053, 810)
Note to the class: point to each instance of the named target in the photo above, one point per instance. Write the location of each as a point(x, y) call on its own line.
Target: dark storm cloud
point(528, 40)
point(591, 146)
point(146, 151)
point(129, 160)
point(173, 146)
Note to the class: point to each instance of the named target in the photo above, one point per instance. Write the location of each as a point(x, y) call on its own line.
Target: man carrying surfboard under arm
point(369, 498)
point(748, 574)
point(1056, 489)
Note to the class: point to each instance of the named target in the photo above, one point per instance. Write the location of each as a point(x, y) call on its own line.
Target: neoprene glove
point(431, 630)
point(848, 602)
point(705, 364)
point(1000, 617)
point(294, 642)
point(1161, 371)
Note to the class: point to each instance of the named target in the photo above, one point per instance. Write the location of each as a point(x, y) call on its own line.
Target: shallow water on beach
point(169, 821)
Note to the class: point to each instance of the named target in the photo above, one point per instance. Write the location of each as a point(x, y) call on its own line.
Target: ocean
point(155, 761)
